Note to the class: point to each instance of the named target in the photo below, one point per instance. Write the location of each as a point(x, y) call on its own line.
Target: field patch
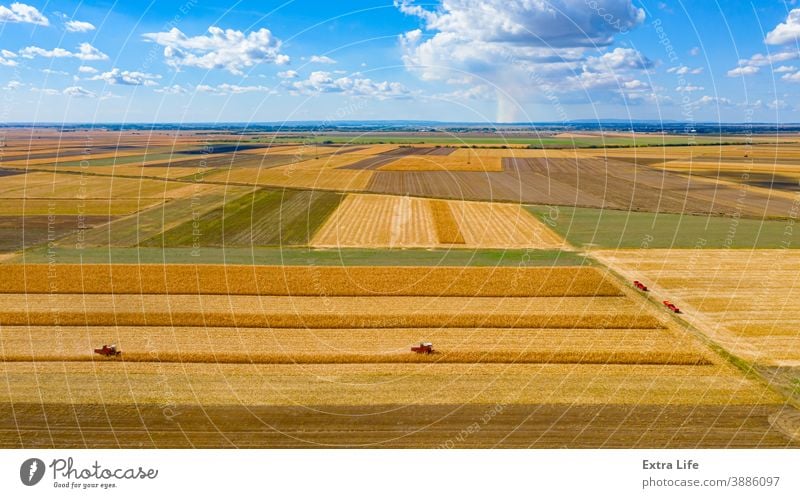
point(260, 218)
point(608, 228)
point(395, 221)
point(443, 163)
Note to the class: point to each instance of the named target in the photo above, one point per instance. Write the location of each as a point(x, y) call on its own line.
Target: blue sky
point(448, 60)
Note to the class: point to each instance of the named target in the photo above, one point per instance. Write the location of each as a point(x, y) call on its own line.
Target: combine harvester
point(672, 307)
point(423, 348)
point(108, 351)
point(640, 286)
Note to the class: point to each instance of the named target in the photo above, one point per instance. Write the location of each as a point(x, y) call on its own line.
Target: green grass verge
point(303, 256)
point(588, 227)
point(264, 218)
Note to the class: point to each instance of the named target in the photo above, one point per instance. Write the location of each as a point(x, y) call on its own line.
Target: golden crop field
point(444, 163)
point(745, 300)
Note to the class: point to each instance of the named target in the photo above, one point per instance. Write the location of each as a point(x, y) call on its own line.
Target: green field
point(300, 256)
point(264, 218)
point(587, 227)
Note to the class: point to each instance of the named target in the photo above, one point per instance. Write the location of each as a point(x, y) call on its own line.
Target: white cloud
point(220, 49)
point(53, 71)
point(13, 85)
point(694, 51)
point(87, 69)
point(288, 75)
point(132, 78)
point(79, 26)
point(785, 32)
point(86, 52)
point(6, 58)
point(709, 100)
point(46, 91)
point(777, 104)
point(683, 70)
point(321, 59)
point(80, 92)
point(743, 71)
point(324, 82)
point(19, 12)
point(792, 78)
point(785, 69)
point(171, 90)
point(524, 47)
point(228, 89)
point(689, 88)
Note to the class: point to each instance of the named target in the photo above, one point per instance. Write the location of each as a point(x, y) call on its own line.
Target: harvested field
point(18, 232)
point(443, 163)
point(378, 221)
point(392, 221)
point(310, 281)
point(260, 218)
point(301, 175)
point(744, 300)
point(34, 207)
point(502, 225)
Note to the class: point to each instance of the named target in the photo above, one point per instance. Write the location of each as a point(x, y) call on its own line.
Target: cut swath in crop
point(445, 223)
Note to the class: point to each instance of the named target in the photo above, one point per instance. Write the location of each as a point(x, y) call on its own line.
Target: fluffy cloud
point(752, 65)
point(13, 85)
point(786, 32)
point(325, 82)
point(132, 78)
point(171, 90)
point(79, 26)
point(86, 52)
point(743, 71)
point(321, 59)
point(228, 89)
point(19, 12)
point(683, 70)
point(706, 100)
point(785, 69)
point(520, 45)
point(288, 75)
point(6, 58)
point(87, 69)
point(792, 77)
point(220, 49)
point(76, 91)
point(689, 88)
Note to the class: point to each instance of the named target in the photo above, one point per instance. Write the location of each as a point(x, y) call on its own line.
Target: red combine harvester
point(423, 348)
point(672, 307)
point(640, 285)
point(107, 350)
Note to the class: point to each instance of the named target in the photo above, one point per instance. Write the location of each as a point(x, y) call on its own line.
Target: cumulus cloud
point(86, 52)
point(753, 64)
point(79, 26)
point(288, 75)
point(7, 58)
point(683, 70)
point(87, 69)
point(325, 82)
point(792, 77)
point(19, 12)
point(227, 49)
point(785, 69)
point(706, 100)
point(786, 32)
point(79, 92)
point(172, 90)
point(520, 45)
point(132, 78)
point(13, 85)
point(689, 88)
point(321, 59)
point(229, 89)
